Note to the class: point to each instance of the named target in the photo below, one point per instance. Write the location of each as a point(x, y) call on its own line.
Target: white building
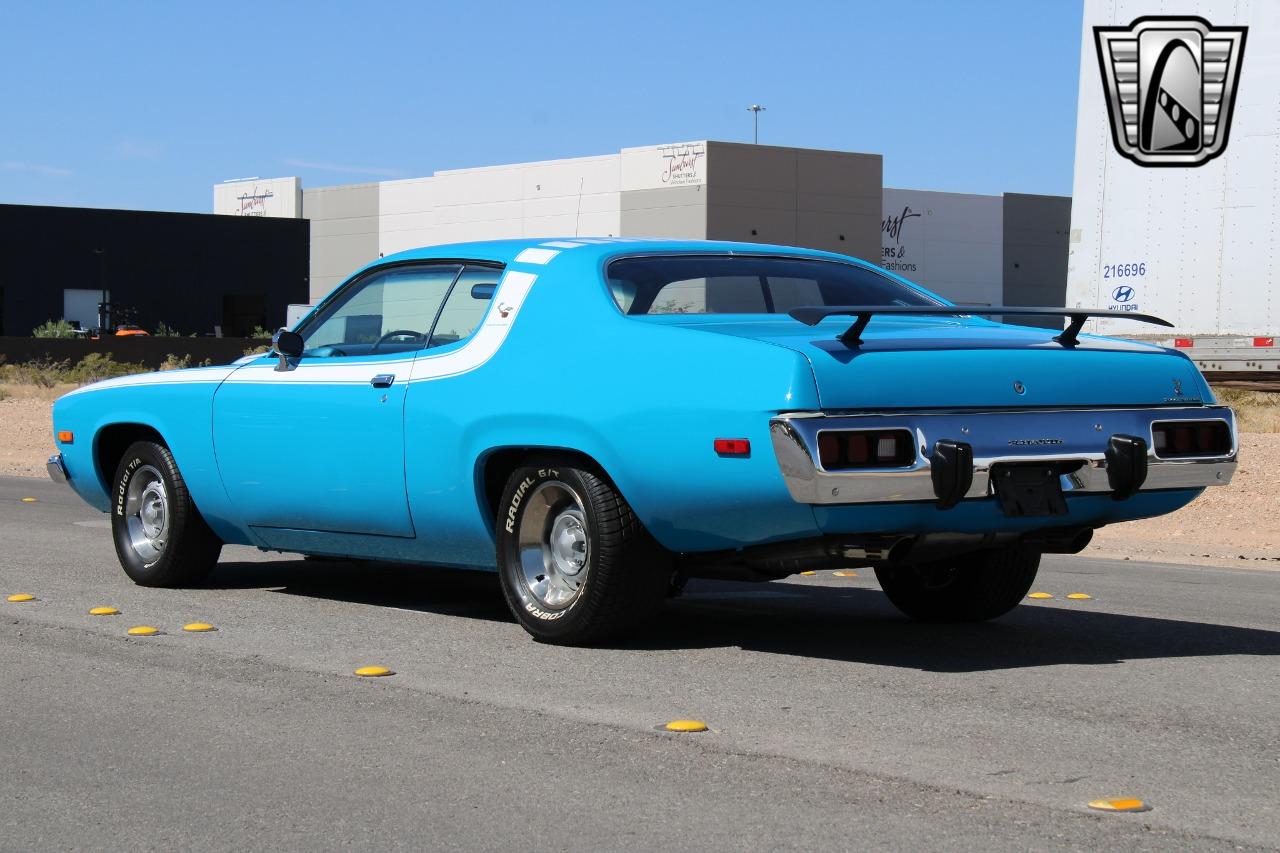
point(954, 243)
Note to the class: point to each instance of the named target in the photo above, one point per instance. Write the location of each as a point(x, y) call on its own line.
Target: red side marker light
point(1184, 343)
point(66, 436)
point(1264, 342)
point(733, 446)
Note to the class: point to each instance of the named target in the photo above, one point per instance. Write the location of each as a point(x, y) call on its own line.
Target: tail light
point(1188, 439)
point(840, 450)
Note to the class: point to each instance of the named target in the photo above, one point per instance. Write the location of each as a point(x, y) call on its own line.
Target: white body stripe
point(536, 256)
point(163, 377)
point(481, 347)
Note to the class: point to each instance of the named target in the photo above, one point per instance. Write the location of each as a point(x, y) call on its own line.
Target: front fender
point(179, 408)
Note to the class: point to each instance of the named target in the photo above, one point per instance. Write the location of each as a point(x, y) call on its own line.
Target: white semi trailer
point(1196, 245)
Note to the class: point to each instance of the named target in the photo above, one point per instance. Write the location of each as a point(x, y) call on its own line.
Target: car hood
point(917, 362)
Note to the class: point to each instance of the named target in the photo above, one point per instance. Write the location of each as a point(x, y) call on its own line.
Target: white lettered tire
point(576, 565)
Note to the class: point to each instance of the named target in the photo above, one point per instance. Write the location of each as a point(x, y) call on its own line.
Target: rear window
point(739, 284)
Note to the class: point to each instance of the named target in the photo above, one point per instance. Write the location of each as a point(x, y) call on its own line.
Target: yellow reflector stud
point(1079, 596)
point(374, 671)
point(21, 596)
point(103, 611)
point(1120, 804)
point(198, 627)
point(845, 573)
point(28, 500)
point(806, 574)
point(1040, 595)
point(686, 726)
point(142, 631)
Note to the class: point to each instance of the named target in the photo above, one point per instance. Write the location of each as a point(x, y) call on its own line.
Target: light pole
point(755, 110)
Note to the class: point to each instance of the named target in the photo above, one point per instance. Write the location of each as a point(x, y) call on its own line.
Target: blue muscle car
point(600, 419)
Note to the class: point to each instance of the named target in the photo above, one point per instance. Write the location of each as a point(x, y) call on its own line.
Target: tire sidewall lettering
point(530, 607)
point(122, 484)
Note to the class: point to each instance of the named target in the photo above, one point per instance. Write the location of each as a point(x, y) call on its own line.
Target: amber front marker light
point(66, 436)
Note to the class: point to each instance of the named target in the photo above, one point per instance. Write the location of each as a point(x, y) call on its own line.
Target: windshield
point(737, 284)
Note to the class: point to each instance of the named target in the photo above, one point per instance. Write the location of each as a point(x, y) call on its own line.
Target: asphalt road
point(835, 723)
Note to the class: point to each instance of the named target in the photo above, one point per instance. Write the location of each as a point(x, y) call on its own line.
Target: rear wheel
point(160, 538)
point(968, 588)
point(576, 565)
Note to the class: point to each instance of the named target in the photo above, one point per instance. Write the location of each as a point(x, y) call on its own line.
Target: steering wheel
point(399, 333)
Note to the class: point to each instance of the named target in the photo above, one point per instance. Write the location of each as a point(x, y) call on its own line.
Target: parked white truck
point(1196, 245)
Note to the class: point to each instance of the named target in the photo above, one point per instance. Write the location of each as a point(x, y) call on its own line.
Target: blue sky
point(148, 105)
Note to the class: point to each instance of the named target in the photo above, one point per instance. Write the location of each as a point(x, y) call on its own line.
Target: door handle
point(383, 380)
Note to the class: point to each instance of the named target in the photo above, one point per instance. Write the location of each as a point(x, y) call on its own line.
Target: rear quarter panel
point(645, 401)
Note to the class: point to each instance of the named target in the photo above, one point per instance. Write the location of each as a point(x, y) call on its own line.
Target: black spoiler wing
point(812, 315)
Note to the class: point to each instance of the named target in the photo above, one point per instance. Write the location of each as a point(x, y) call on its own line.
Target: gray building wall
point(1036, 233)
point(668, 212)
point(800, 197)
point(344, 232)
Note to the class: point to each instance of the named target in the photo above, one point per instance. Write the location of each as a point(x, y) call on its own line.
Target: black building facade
point(193, 272)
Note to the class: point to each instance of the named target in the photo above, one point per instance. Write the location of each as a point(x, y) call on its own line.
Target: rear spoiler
point(812, 315)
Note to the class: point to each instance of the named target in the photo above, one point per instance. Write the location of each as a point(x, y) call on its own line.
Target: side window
point(387, 312)
point(466, 305)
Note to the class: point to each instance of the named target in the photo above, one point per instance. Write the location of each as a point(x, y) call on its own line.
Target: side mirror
point(483, 291)
point(287, 345)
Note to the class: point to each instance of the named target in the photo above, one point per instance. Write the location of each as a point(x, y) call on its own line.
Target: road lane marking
point(686, 726)
point(1120, 804)
point(374, 671)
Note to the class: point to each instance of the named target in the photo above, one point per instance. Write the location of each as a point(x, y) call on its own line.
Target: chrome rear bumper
point(57, 470)
point(1066, 436)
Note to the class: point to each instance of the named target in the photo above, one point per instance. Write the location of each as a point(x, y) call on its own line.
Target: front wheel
point(968, 588)
point(160, 538)
point(576, 565)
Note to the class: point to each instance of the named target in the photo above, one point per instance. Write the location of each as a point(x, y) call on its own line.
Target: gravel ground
point(1234, 526)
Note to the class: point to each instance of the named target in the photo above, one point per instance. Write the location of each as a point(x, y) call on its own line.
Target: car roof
point(511, 251)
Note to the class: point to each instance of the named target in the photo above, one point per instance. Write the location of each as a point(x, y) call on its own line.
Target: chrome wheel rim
point(146, 514)
point(555, 550)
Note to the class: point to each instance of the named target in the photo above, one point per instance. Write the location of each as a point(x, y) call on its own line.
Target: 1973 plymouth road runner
point(599, 419)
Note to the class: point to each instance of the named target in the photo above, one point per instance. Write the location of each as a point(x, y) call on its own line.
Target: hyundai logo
point(1123, 293)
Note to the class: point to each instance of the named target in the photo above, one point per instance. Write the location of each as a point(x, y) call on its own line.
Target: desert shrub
point(96, 366)
point(174, 362)
point(164, 330)
point(40, 372)
point(259, 333)
point(3, 394)
point(54, 329)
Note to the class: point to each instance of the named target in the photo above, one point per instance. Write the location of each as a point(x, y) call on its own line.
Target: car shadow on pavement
point(452, 592)
point(853, 624)
point(860, 625)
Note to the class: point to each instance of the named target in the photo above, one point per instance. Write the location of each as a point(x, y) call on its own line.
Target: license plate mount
point(1028, 490)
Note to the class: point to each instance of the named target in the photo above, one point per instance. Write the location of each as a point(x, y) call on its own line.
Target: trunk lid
point(932, 362)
